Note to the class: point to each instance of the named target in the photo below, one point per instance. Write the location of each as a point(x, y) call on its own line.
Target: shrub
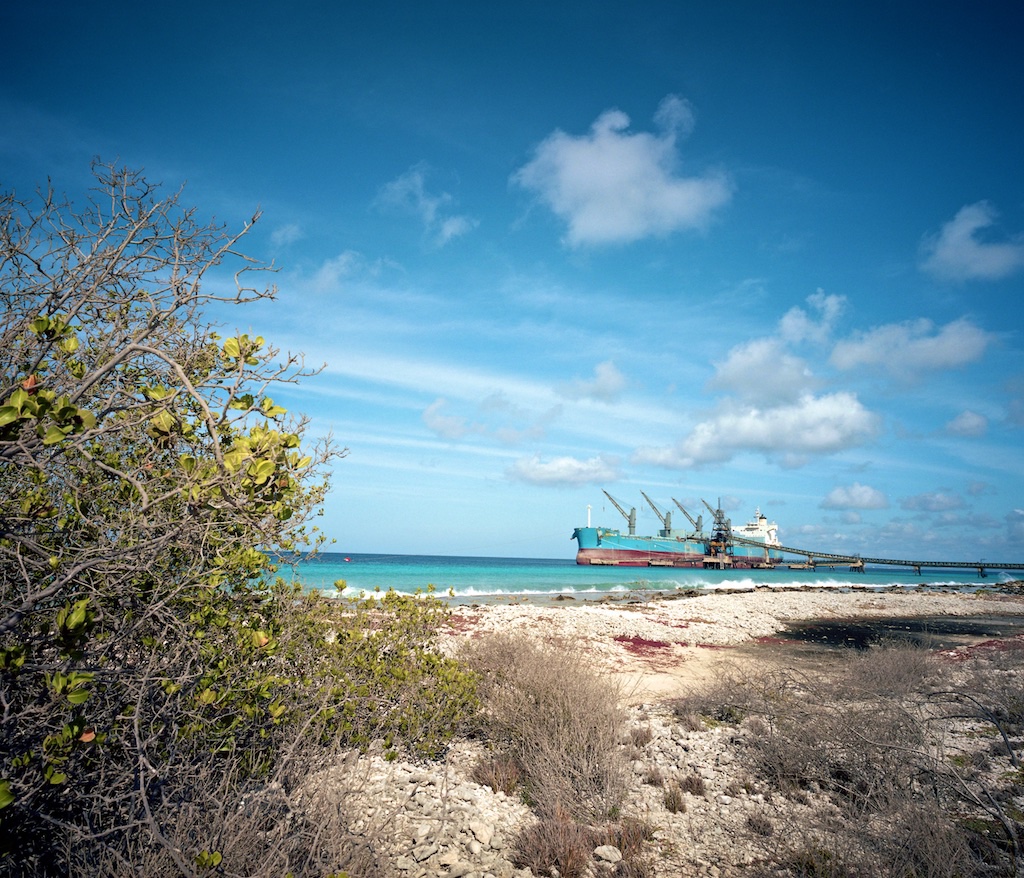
point(557, 719)
point(154, 674)
point(675, 801)
point(500, 772)
point(555, 842)
point(693, 784)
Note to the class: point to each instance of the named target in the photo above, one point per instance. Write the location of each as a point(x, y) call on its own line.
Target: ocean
point(475, 579)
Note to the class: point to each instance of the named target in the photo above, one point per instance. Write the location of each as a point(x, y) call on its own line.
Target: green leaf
point(40, 325)
point(262, 470)
point(54, 435)
point(6, 794)
point(79, 696)
point(231, 348)
point(163, 422)
point(8, 415)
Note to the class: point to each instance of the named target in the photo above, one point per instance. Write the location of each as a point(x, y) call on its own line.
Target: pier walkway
point(857, 562)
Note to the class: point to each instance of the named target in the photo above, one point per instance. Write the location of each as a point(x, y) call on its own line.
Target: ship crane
point(666, 519)
point(721, 529)
point(698, 525)
point(629, 516)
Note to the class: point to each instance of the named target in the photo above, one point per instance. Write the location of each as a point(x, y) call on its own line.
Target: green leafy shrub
point(153, 673)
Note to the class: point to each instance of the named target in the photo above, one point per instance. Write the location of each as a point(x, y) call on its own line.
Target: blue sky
point(772, 253)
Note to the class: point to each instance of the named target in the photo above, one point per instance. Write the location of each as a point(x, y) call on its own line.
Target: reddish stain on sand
point(640, 646)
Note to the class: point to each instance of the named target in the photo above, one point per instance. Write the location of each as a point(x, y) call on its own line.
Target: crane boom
point(629, 516)
point(698, 525)
point(666, 519)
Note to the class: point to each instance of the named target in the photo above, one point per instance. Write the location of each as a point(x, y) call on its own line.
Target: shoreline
point(640, 595)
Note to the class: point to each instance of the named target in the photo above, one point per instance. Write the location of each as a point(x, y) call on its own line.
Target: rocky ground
point(434, 820)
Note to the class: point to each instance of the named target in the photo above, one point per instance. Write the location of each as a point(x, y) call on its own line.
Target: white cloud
point(957, 254)
point(613, 186)
point(797, 325)
point(762, 370)
point(409, 193)
point(968, 424)
point(855, 496)
point(606, 385)
point(812, 425)
point(444, 425)
point(330, 274)
point(932, 502)
point(905, 349)
point(564, 470)
point(282, 236)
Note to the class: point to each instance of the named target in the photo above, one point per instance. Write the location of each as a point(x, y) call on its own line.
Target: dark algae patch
point(930, 632)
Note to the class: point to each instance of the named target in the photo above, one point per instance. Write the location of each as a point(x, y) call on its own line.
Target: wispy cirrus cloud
point(613, 186)
point(958, 253)
point(409, 193)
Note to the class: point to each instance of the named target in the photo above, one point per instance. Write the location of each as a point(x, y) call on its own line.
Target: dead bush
point(641, 736)
point(693, 784)
point(555, 842)
point(675, 801)
point(557, 719)
point(500, 772)
point(759, 824)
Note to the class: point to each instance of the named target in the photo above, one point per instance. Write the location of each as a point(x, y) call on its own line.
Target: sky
point(767, 254)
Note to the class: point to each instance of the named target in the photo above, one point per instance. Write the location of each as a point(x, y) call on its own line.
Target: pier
point(857, 562)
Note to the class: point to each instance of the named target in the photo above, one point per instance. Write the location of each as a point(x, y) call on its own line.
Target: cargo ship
point(722, 548)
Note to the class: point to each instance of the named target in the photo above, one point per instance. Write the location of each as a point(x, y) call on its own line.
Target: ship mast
point(666, 519)
point(629, 516)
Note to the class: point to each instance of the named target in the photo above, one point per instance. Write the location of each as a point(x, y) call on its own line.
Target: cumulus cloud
point(559, 471)
point(957, 253)
point(906, 349)
point(606, 385)
point(855, 496)
point(612, 185)
point(812, 425)
point(409, 193)
point(937, 501)
point(967, 424)
point(797, 325)
point(762, 370)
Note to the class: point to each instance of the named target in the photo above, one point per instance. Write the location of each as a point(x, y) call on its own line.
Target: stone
point(482, 831)
point(608, 853)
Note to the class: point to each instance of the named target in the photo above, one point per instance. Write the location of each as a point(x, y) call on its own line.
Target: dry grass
point(558, 720)
point(911, 754)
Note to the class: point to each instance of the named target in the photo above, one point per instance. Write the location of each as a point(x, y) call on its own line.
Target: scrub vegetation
point(905, 764)
point(161, 690)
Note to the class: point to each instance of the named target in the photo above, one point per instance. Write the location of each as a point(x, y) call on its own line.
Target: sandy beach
point(655, 646)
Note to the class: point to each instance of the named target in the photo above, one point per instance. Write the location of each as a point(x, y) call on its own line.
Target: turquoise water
point(470, 578)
